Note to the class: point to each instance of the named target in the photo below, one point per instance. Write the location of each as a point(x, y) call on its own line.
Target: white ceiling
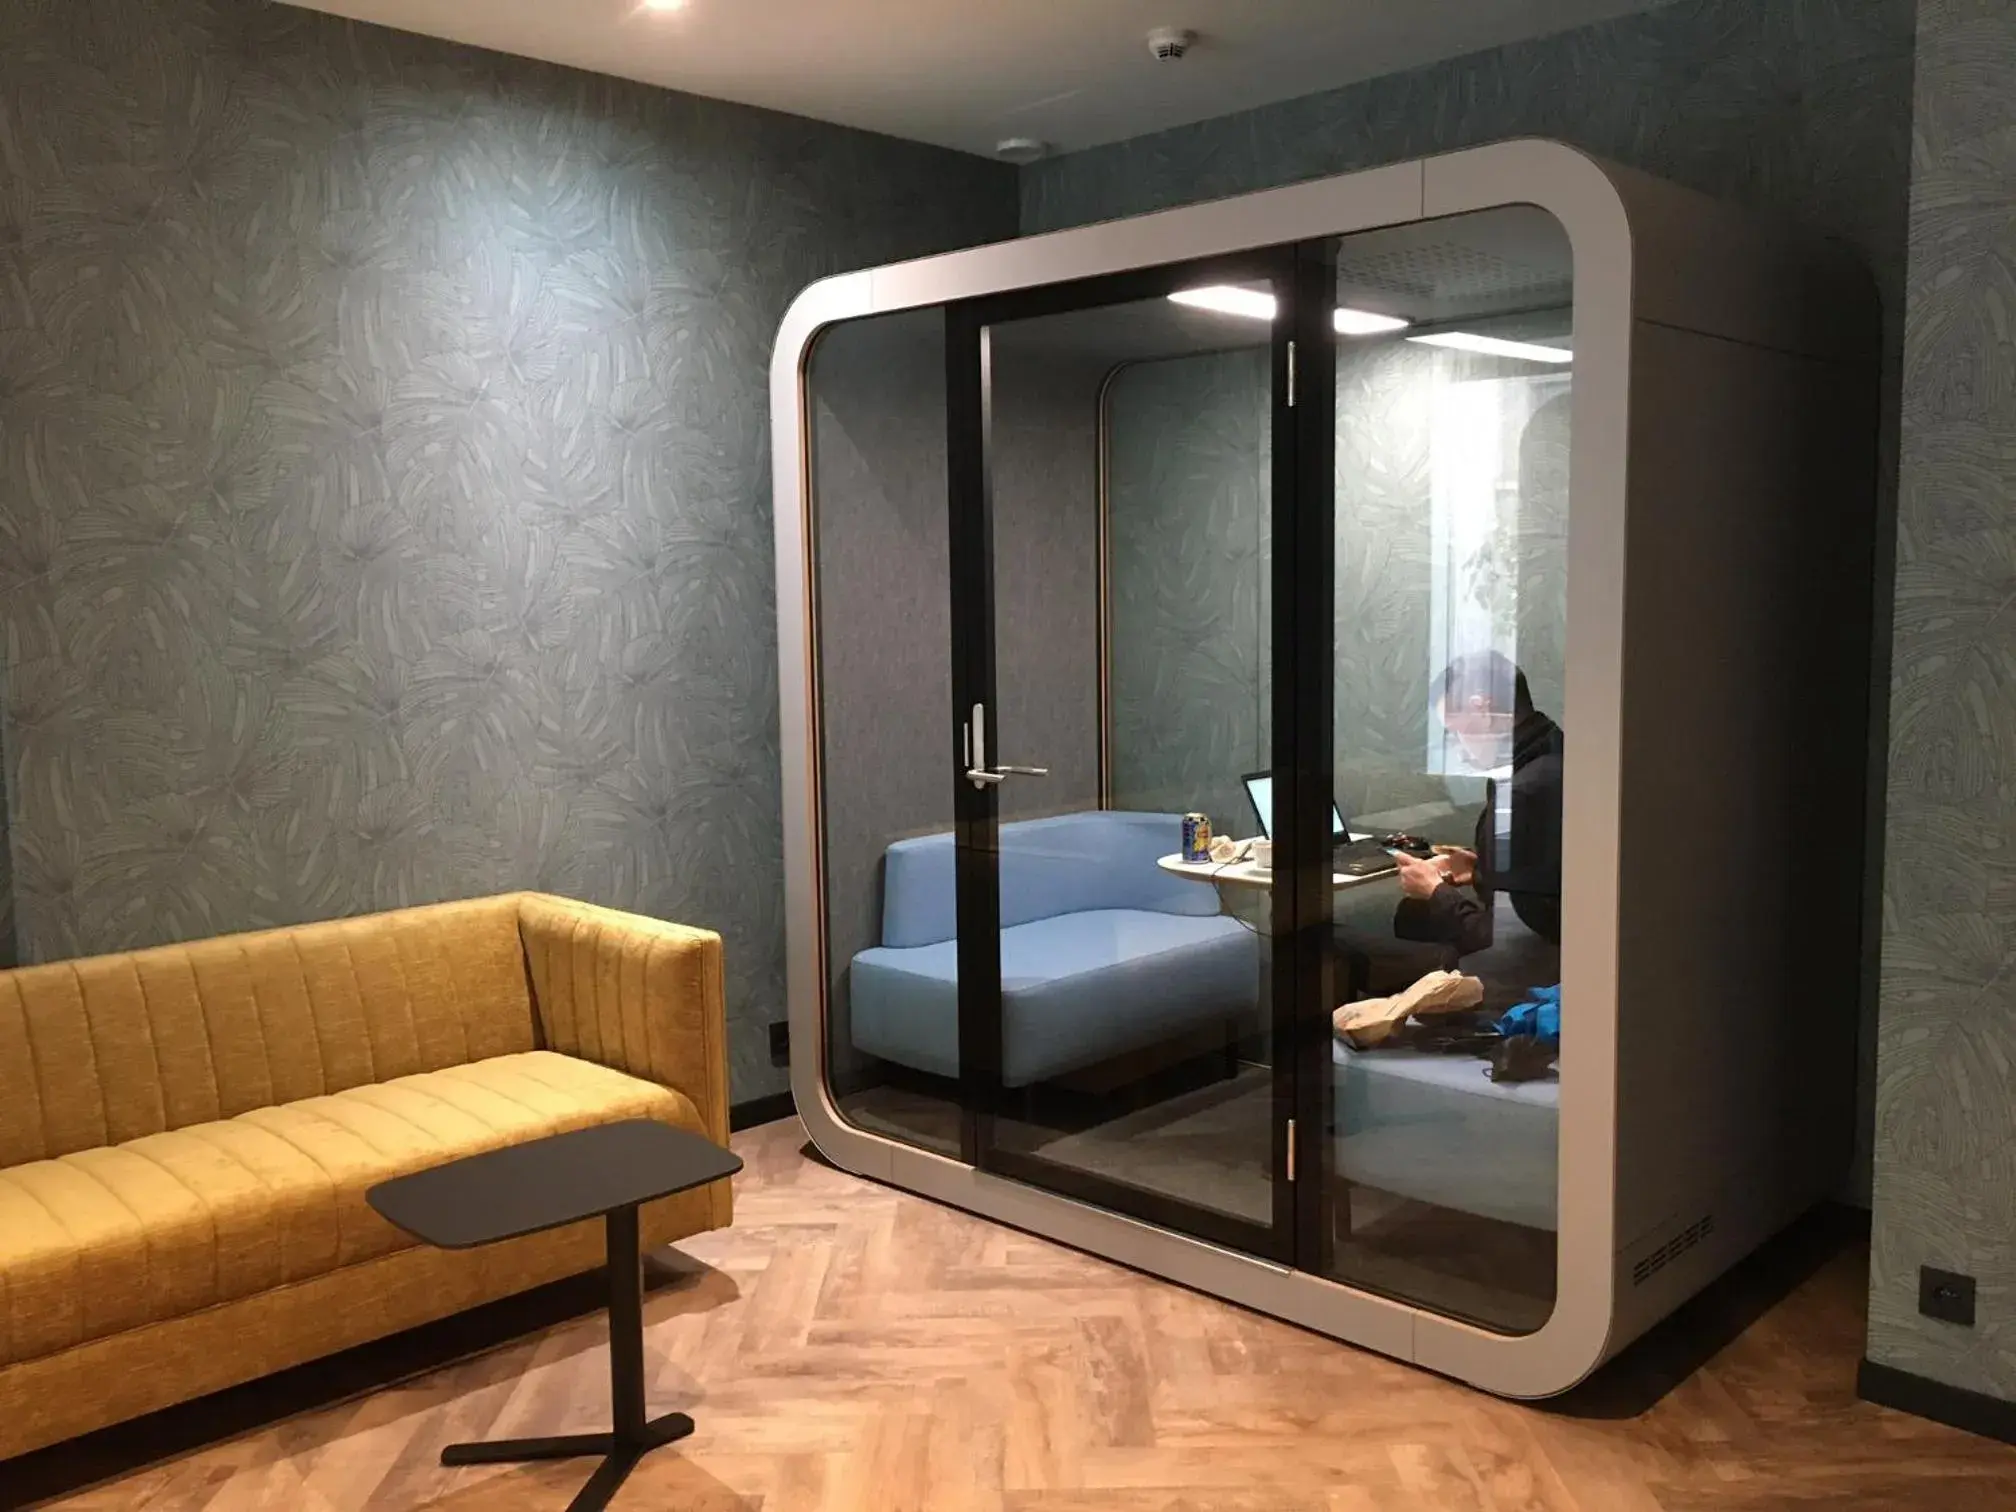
point(966, 73)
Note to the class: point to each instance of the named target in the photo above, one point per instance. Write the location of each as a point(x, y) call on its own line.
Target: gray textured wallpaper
point(384, 473)
point(1946, 1109)
point(1045, 455)
point(884, 618)
point(1189, 484)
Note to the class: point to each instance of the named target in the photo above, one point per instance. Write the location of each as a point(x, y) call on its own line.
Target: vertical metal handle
point(974, 747)
point(976, 751)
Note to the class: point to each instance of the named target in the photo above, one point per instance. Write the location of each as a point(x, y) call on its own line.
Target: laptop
point(1260, 792)
point(1354, 858)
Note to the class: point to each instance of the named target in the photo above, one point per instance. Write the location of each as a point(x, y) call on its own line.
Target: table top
point(1246, 874)
point(563, 1178)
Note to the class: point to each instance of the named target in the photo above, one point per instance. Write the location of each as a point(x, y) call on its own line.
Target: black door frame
point(1301, 513)
point(1305, 701)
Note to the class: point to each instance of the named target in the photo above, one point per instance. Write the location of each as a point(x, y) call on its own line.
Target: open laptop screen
point(1260, 789)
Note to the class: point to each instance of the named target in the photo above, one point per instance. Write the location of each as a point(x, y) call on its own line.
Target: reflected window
point(1489, 528)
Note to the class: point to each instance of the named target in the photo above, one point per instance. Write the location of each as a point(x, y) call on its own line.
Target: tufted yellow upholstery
point(109, 1239)
point(101, 1051)
point(187, 1133)
point(643, 1001)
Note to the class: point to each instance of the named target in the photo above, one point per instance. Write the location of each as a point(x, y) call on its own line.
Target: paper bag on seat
point(1366, 1024)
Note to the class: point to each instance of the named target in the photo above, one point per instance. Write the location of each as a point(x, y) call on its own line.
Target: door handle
point(977, 771)
point(981, 777)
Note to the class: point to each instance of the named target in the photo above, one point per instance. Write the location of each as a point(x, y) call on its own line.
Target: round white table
point(1246, 874)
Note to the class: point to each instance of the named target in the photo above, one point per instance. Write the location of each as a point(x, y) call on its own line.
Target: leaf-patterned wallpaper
point(1946, 1109)
point(1189, 478)
point(384, 491)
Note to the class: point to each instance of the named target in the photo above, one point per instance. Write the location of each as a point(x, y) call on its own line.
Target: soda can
point(1196, 837)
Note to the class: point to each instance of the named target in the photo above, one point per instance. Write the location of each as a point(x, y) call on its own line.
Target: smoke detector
point(1021, 149)
point(1167, 44)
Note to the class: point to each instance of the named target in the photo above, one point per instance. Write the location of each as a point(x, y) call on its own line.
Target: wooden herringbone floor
point(850, 1347)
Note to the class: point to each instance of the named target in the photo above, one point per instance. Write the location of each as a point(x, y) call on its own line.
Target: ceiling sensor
point(1020, 149)
point(1167, 44)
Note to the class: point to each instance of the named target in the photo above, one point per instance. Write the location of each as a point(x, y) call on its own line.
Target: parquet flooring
point(850, 1348)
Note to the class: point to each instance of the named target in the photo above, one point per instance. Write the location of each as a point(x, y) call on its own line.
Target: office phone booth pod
point(1317, 509)
point(1160, 517)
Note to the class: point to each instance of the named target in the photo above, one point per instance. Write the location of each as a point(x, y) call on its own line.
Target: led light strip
point(1494, 346)
point(1254, 304)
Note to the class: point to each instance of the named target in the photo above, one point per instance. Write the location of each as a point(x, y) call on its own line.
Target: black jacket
point(1530, 874)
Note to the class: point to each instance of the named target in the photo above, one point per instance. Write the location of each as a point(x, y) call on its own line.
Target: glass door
point(1439, 1153)
point(1122, 459)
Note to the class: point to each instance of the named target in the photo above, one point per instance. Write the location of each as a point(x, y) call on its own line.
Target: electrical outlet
point(780, 1048)
point(1946, 1295)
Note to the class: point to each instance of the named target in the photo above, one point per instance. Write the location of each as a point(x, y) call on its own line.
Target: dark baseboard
point(1955, 1406)
point(761, 1110)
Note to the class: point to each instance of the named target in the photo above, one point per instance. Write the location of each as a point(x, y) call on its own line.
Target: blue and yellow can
point(1196, 837)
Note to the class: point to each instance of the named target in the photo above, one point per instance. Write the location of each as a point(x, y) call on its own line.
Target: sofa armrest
point(637, 995)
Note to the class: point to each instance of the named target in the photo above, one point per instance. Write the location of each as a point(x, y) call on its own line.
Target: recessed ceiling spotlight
point(661, 7)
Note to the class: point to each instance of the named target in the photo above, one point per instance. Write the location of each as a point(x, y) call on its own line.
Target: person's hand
point(1418, 878)
point(1458, 865)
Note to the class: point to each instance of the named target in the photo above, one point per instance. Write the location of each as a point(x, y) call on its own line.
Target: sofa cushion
point(108, 1239)
point(1072, 863)
point(1074, 990)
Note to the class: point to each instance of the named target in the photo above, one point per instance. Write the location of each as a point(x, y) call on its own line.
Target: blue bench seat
point(1437, 1129)
point(1102, 952)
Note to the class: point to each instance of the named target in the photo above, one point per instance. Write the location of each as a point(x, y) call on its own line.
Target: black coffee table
point(601, 1172)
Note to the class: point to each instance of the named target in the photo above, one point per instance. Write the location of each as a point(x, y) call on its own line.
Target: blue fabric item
point(1437, 1129)
point(1075, 988)
point(1069, 864)
point(1539, 1015)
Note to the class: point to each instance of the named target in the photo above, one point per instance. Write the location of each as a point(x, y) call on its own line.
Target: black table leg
point(634, 1435)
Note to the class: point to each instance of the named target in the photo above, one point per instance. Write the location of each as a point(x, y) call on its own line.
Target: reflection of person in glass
point(1484, 702)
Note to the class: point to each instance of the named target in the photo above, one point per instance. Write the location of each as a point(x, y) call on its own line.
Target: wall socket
point(1946, 1295)
point(780, 1045)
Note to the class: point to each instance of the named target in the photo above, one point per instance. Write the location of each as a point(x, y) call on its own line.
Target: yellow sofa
point(187, 1134)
